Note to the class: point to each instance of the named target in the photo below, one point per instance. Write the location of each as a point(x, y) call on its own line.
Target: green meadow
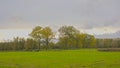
point(83, 58)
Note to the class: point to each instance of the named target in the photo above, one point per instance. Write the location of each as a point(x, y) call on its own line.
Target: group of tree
point(108, 43)
point(71, 38)
point(43, 38)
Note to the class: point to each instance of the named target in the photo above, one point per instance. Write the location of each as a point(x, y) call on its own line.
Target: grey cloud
point(112, 35)
point(86, 14)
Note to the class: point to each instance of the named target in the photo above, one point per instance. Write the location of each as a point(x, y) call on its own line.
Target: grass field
point(83, 58)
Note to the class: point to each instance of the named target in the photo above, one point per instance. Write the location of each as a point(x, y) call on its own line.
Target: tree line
point(108, 43)
point(43, 38)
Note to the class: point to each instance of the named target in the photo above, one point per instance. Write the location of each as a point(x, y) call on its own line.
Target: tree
point(89, 41)
point(18, 43)
point(47, 35)
point(30, 45)
point(79, 40)
point(68, 36)
point(37, 35)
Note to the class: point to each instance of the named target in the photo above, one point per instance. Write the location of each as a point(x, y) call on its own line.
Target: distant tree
point(47, 35)
point(21, 43)
point(89, 41)
point(68, 36)
point(18, 43)
point(100, 43)
point(36, 34)
point(79, 40)
point(115, 43)
point(30, 45)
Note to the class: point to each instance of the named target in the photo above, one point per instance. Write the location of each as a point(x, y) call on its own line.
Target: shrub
point(109, 49)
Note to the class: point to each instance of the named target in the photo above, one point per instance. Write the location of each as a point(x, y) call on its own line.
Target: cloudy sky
point(18, 17)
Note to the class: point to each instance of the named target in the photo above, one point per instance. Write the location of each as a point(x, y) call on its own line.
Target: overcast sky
point(91, 16)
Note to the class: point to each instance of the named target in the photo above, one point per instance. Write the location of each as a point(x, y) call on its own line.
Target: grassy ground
point(83, 58)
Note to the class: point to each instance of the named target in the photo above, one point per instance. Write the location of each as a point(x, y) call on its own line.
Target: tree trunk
point(39, 43)
point(47, 43)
